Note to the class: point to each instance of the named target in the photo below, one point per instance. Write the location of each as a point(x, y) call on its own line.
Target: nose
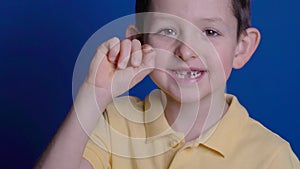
point(184, 52)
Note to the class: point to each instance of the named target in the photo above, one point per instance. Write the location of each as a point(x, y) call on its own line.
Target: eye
point(211, 33)
point(167, 32)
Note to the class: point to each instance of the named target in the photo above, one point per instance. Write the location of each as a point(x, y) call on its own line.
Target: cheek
point(162, 79)
point(164, 49)
point(227, 65)
point(226, 55)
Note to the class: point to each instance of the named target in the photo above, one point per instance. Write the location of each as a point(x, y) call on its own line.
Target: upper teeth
point(187, 74)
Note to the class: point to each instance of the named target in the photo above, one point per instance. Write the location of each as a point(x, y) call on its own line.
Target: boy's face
point(195, 44)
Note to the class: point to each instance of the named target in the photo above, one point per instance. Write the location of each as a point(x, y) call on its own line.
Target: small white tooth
point(181, 76)
point(195, 74)
point(186, 74)
point(183, 73)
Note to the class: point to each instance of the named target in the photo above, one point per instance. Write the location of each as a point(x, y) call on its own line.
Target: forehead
point(195, 9)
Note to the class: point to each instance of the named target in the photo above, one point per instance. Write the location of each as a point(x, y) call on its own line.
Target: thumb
point(148, 56)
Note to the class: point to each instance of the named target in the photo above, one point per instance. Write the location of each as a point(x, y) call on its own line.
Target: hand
point(119, 65)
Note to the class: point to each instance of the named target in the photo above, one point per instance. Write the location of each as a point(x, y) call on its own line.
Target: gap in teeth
point(187, 74)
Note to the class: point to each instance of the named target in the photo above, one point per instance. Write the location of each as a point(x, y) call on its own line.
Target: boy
point(189, 49)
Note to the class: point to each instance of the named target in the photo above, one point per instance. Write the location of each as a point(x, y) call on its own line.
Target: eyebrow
point(213, 19)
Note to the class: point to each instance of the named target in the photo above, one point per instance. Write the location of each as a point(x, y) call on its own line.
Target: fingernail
point(111, 58)
point(121, 65)
point(148, 48)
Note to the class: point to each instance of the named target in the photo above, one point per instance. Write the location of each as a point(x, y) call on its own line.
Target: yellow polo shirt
point(133, 134)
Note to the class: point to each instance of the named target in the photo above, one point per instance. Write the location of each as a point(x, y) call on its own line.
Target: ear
point(132, 32)
point(246, 46)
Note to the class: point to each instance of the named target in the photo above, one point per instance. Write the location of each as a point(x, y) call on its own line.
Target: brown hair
point(240, 8)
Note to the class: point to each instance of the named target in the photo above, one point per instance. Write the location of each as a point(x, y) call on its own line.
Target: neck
point(195, 118)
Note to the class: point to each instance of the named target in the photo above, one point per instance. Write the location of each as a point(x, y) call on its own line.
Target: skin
point(204, 38)
point(219, 51)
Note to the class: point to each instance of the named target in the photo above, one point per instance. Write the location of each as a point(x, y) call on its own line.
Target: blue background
point(40, 41)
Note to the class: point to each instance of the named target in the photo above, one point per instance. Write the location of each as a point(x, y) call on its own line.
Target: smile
point(187, 74)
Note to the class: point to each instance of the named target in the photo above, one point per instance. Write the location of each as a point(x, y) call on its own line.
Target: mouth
point(188, 75)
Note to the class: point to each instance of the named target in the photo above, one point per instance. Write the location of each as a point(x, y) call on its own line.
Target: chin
point(183, 96)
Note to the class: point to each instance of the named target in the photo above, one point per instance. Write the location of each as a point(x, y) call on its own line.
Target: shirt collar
point(225, 136)
point(155, 122)
point(221, 138)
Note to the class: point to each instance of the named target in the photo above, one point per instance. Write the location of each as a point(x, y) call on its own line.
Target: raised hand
point(119, 65)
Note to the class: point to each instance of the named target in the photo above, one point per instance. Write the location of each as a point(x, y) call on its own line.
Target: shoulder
point(270, 145)
point(258, 133)
point(263, 144)
point(262, 139)
point(134, 109)
point(249, 128)
point(126, 107)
